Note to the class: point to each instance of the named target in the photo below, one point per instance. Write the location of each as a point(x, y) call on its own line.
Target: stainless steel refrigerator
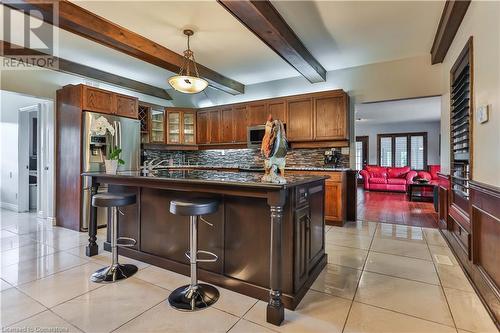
point(96, 147)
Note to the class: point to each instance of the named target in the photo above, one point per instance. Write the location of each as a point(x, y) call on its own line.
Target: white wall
point(10, 103)
point(44, 83)
point(482, 22)
point(432, 129)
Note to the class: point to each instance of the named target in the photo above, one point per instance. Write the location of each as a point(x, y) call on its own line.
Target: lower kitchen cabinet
point(309, 241)
point(340, 191)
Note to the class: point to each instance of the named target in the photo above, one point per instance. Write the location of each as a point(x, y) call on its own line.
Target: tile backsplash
point(242, 157)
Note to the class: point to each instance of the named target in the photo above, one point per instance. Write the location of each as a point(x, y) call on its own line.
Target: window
point(385, 145)
point(359, 155)
point(403, 149)
point(417, 153)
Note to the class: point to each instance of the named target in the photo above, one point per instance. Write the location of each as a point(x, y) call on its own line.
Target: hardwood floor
point(392, 207)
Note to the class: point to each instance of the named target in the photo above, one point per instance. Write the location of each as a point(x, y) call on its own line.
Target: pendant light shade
point(188, 81)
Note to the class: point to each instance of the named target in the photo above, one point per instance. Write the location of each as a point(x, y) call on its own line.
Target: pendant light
point(188, 81)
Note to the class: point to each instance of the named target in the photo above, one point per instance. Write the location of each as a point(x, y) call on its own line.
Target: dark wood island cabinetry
point(269, 238)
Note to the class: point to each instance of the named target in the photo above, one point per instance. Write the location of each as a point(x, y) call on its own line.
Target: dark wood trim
point(408, 145)
point(262, 18)
point(13, 51)
point(365, 139)
point(451, 18)
point(86, 24)
point(481, 263)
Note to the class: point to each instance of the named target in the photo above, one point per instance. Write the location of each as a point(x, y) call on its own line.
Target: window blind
point(417, 152)
point(386, 151)
point(460, 127)
point(401, 151)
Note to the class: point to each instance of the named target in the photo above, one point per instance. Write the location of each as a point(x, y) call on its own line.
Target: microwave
point(255, 134)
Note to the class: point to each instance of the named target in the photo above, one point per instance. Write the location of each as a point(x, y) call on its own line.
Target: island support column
point(275, 313)
point(92, 248)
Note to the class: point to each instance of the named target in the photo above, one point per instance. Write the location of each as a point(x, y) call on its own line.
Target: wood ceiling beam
point(451, 18)
point(262, 18)
point(15, 52)
point(84, 23)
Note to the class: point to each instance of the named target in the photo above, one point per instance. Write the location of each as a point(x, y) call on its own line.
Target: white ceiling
point(220, 41)
point(343, 34)
point(339, 34)
point(409, 110)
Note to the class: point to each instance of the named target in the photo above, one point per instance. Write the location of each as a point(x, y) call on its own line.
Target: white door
point(46, 195)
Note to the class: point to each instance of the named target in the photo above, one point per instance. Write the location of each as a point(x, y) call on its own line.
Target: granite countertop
point(228, 178)
point(235, 166)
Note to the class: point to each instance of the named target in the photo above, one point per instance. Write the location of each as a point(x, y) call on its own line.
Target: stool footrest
point(213, 255)
point(131, 242)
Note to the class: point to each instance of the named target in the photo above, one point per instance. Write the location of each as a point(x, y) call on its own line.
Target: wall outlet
point(482, 113)
point(345, 150)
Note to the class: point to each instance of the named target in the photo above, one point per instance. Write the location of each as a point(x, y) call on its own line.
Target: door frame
point(45, 160)
point(23, 157)
point(366, 140)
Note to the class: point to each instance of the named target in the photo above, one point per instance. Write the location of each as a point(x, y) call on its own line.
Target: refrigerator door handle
point(119, 134)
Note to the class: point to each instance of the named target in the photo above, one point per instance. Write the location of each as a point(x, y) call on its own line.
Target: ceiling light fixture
point(188, 81)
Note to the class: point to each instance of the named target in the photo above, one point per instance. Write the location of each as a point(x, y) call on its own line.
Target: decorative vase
point(111, 166)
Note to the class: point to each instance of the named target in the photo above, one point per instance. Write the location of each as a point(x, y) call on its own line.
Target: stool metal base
point(187, 298)
point(113, 273)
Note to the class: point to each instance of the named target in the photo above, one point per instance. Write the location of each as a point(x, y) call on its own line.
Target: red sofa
point(431, 175)
point(387, 179)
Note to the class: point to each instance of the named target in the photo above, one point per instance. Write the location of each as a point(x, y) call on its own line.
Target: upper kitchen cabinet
point(240, 123)
point(312, 120)
point(277, 108)
point(300, 119)
point(103, 101)
point(209, 126)
point(126, 106)
point(97, 100)
point(157, 128)
point(181, 126)
point(202, 131)
point(331, 118)
point(257, 114)
point(234, 124)
point(214, 125)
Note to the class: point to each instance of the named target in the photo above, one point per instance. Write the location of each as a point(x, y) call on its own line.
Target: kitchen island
point(269, 238)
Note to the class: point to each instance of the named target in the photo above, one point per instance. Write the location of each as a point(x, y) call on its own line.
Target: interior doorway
point(397, 144)
point(361, 154)
point(27, 157)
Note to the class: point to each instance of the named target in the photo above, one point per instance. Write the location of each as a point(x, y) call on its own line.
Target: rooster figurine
point(274, 148)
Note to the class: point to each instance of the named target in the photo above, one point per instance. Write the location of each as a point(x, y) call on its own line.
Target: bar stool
point(195, 296)
point(116, 271)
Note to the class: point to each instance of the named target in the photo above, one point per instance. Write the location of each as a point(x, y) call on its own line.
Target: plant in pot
point(113, 161)
point(101, 126)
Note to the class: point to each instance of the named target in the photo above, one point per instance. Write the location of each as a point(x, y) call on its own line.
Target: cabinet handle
point(308, 224)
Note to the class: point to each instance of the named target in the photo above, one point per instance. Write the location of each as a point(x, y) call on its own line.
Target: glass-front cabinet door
point(174, 127)
point(157, 130)
point(188, 128)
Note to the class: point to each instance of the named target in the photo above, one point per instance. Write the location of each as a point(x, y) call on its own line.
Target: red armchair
point(387, 179)
point(431, 175)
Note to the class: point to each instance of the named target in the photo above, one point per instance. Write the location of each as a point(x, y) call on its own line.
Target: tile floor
point(394, 207)
point(379, 278)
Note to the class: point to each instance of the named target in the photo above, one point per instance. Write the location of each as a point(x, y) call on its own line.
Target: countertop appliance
point(95, 148)
point(333, 157)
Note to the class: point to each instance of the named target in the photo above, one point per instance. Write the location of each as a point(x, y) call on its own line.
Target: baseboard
point(8, 206)
point(52, 220)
